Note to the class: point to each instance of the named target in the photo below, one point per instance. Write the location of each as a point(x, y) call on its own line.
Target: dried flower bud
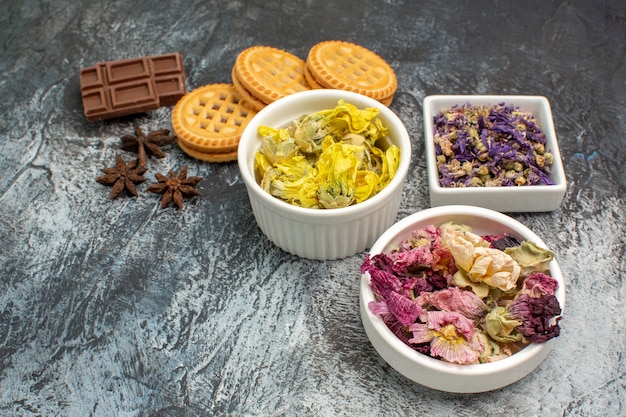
point(541, 161)
point(483, 170)
point(510, 174)
point(476, 182)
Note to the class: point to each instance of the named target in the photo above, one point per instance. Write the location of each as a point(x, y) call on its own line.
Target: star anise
point(123, 177)
point(149, 145)
point(174, 187)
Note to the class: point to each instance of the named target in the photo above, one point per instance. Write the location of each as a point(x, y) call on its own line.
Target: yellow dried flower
point(479, 263)
point(327, 159)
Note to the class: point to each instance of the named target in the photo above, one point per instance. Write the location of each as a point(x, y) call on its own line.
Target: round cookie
point(312, 82)
point(269, 73)
point(346, 66)
point(248, 98)
point(210, 119)
point(208, 157)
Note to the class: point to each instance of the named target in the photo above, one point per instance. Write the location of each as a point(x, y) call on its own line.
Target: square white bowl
point(526, 198)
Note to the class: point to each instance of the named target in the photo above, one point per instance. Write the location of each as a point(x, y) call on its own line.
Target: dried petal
point(539, 284)
point(456, 299)
point(481, 263)
point(405, 310)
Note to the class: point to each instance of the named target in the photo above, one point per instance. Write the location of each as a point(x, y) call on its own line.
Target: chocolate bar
point(129, 86)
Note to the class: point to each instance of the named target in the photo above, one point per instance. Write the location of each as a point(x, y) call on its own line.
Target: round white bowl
point(322, 233)
point(432, 372)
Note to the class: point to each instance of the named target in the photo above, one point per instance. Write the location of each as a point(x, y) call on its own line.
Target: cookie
point(210, 119)
point(246, 96)
point(346, 66)
point(268, 73)
point(208, 157)
point(310, 80)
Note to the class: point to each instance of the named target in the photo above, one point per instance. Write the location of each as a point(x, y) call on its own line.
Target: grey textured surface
point(124, 309)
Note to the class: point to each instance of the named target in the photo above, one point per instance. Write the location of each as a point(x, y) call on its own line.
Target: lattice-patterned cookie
point(269, 73)
point(210, 119)
point(346, 66)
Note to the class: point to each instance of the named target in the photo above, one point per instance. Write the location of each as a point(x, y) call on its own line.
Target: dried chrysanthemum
point(327, 159)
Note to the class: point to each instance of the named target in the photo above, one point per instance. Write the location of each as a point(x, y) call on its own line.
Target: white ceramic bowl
point(313, 233)
point(432, 372)
point(531, 198)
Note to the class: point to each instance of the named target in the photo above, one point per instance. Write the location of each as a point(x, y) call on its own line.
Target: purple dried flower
point(502, 138)
point(538, 316)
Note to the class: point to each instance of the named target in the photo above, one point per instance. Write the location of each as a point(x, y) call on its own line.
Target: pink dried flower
point(403, 308)
point(451, 336)
point(456, 299)
point(538, 284)
point(412, 260)
point(422, 295)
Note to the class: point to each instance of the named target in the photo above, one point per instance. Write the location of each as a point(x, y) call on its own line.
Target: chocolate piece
point(129, 86)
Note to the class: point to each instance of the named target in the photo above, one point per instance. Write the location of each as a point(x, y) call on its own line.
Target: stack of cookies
point(209, 120)
point(263, 74)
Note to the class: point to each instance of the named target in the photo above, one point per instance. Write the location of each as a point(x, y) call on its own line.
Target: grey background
point(124, 309)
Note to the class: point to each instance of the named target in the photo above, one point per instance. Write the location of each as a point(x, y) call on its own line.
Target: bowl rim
point(356, 210)
point(522, 101)
point(392, 236)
